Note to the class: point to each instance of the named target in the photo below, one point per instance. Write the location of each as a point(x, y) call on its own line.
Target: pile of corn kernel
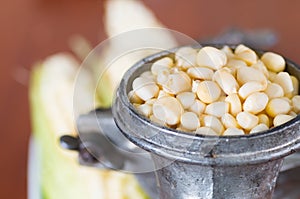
point(214, 91)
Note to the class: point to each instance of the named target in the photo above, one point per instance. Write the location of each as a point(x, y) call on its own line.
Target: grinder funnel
point(197, 166)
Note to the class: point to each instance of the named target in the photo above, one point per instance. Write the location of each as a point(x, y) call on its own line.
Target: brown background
point(34, 29)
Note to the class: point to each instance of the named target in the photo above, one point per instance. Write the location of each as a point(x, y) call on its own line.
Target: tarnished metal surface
point(195, 166)
point(287, 185)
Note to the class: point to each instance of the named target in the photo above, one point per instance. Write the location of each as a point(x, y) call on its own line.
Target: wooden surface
point(34, 29)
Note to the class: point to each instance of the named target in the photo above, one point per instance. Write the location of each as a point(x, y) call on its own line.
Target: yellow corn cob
point(51, 99)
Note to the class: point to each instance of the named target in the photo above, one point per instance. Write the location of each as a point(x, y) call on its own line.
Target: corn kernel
point(206, 131)
point(235, 104)
point(296, 103)
point(211, 57)
point(285, 81)
point(259, 128)
point(197, 107)
point(277, 106)
point(133, 98)
point(217, 109)
point(161, 65)
point(256, 102)
point(168, 109)
point(177, 83)
point(250, 87)
point(226, 81)
point(274, 90)
point(247, 120)
point(145, 88)
point(208, 91)
point(186, 57)
point(228, 51)
point(246, 54)
point(295, 85)
point(213, 123)
point(264, 119)
point(273, 61)
point(281, 118)
point(186, 99)
point(229, 121)
point(248, 74)
point(145, 109)
point(259, 65)
point(190, 121)
point(233, 131)
point(200, 73)
point(163, 93)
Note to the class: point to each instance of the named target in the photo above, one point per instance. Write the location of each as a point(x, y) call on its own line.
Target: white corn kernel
point(145, 109)
point(232, 71)
point(226, 81)
point(161, 64)
point(248, 74)
point(233, 131)
point(197, 107)
point(247, 120)
point(246, 54)
point(259, 128)
point(292, 113)
point(222, 98)
point(217, 108)
point(145, 88)
point(217, 92)
point(273, 61)
point(285, 81)
point(195, 84)
point(250, 87)
point(229, 121)
point(168, 109)
point(177, 83)
point(259, 65)
point(295, 85)
point(157, 121)
point(190, 121)
point(234, 64)
point(186, 57)
point(211, 57)
point(208, 91)
point(206, 131)
point(133, 98)
point(235, 104)
point(264, 119)
point(274, 90)
point(162, 77)
point(278, 106)
point(296, 103)
point(200, 73)
point(163, 93)
point(228, 51)
point(272, 76)
point(256, 102)
point(281, 119)
point(181, 128)
point(186, 99)
point(213, 123)
point(150, 101)
point(287, 99)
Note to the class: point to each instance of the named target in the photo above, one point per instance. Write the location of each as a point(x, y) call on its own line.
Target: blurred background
point(34, 29)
